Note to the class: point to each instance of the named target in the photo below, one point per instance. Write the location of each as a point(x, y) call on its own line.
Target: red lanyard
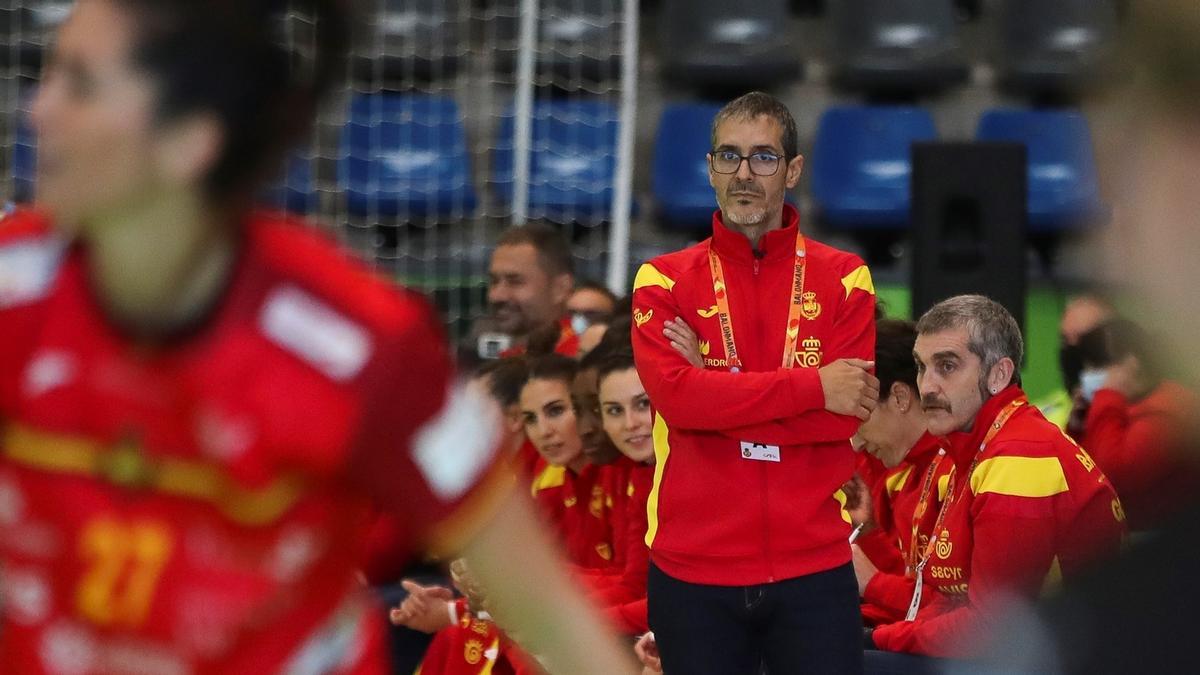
point(1001, 420)
point(910, 560)
point(721, 291)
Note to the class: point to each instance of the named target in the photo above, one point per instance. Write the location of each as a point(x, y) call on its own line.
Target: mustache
point(736, 186)
point(931, 402)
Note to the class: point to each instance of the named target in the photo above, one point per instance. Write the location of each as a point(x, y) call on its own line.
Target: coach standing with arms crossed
point(749, 562)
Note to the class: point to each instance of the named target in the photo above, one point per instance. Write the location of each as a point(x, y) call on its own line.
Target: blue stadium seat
point(295, 191)
point(680, 180)
point(406, 156)
point(862, 164)
point(572, 163)
point(1064, 190)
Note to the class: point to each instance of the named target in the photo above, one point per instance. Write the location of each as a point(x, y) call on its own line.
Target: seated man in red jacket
point(898, 514)
point(1026, 505)
point(1136, 423)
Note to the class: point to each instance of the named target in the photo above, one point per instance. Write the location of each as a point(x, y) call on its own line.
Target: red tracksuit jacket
point(886, 597)
point(1137, 445)
point(714, 516)
point(474, 646)
point(577, 505)
point(1035, 509)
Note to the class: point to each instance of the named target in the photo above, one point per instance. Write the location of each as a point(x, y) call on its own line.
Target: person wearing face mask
point(1083, 313)
point(1135, 424)
point(590, 303)
point(1025, 505)
point(898, 516)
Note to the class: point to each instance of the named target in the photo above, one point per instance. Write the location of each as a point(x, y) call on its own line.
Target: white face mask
point(579, 323)
point(1091, 380)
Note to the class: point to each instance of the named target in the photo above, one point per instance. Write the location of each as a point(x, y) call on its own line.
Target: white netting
point(413, 160)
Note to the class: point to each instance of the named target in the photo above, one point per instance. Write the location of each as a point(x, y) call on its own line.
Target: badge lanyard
point(1001, 420)
point(721, 291)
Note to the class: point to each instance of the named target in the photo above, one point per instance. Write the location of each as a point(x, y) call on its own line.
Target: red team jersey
point(1035, 509)
point(198, 505)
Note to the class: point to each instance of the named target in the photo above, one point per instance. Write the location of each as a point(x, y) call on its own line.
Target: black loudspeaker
point(968, 223)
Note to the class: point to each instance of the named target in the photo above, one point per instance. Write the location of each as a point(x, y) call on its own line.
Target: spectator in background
point(1026, 505)
point(1083, 313)
point(530, 277)
point(747, 541)
point(589, 304)
point(1136, 422)
point(900, 511)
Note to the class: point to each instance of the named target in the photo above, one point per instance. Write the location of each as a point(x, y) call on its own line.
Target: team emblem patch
point(809, 355)
point(473, 651)
point(640, 319)
point(707, 313)
point(809, 307)
point(943, 546)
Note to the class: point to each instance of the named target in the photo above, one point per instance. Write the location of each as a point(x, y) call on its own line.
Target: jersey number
point(124, 562)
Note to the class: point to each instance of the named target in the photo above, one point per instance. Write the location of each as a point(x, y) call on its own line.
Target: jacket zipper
point(764, 470)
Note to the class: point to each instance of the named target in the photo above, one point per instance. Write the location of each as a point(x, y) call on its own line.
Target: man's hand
point(864, 569)
point(849, 387)
point(424, 609)
point(858, 502)
point(684, 340)
point(647, 652)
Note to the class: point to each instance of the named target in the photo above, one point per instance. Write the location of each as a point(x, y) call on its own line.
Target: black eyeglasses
point(762, 163)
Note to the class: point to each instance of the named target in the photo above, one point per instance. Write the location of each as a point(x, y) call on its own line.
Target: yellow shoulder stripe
point(859, 278)
point(896, 483)
point(1020, 477)
point(840, 496)
point(648, 275)
point(550, 477)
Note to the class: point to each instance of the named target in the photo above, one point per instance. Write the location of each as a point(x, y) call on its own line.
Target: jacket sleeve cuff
point(807, 393)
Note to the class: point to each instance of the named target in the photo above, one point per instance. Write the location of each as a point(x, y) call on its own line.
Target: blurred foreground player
point(198, 402)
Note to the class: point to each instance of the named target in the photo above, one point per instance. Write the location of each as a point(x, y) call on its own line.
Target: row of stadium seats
point(406, 157)
point(860, 165)
point(887, 45)
point(875, 45)
point(908, 45)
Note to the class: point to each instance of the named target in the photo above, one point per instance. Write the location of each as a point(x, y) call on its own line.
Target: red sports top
point(199, 506)
point(1139, 445)
point(714, 516)
point(890, 545)
point(1036, 509)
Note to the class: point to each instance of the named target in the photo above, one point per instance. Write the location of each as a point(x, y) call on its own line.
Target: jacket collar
point(926, 447)
point(777, 244)
point(964, 444)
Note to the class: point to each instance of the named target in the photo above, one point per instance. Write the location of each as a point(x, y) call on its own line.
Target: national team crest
point(473, 651)
point(809, 307)
point(943, 546)
point(639, 318)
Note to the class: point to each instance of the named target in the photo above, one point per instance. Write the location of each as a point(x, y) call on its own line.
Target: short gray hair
point(754, 105)
point(992, 332)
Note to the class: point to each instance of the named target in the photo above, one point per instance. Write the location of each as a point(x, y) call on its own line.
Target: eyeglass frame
point(779, 159)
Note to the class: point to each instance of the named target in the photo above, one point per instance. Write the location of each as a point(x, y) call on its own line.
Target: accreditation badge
point(760, 452)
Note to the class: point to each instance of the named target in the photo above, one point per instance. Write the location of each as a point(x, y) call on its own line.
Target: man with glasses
point(747, 537)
